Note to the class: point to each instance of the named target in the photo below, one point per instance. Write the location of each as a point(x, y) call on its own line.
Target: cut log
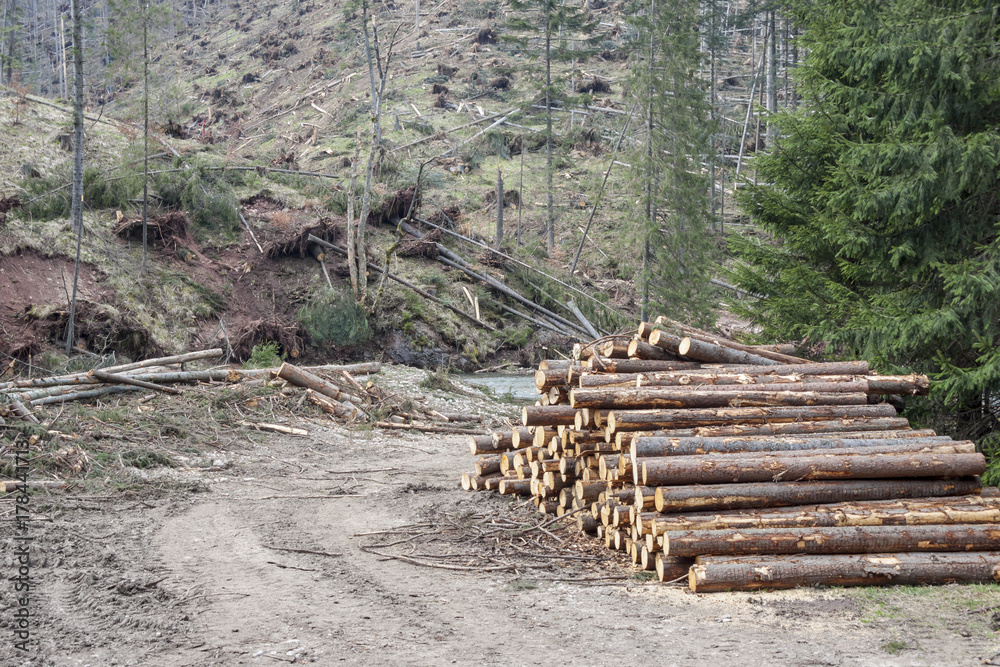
point(483, 444)
point(947, 510)
point(117, 378)
point(873, 384)
point(867, 425)
point(346, 411)
point(678, 470)
point(624, 420)
point(303, 378)
point(717, 354)
point(760, 351)
point(616, 348)
point(503, 440)
point(721, 573)
point(647, 446)
point(625, 463)
point(640, 349)
point(671, 568)
point(545, 380)
point(676, 399)
point(520, 487)
point(852, 368)
point(845, 540)
point(639, 365)
point(722, 497)
point(665, 341)
point(622, 380)
point(555, 364)
point(551, 415)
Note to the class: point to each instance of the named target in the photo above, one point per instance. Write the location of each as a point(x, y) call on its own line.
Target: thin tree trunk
point(772, 76)
point(145, 129)
point(76, 210)
point(11, 41)
point(499, 230)
point(550, 223)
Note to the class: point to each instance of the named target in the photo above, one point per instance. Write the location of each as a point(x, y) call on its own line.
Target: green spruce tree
point(670, 173)
point(881, 191)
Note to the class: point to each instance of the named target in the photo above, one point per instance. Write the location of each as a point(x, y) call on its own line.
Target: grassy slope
point(287, 85)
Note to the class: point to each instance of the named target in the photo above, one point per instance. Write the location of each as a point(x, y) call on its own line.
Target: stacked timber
point(738, 467)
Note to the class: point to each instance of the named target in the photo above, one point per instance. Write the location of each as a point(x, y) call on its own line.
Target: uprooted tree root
point(248, 335)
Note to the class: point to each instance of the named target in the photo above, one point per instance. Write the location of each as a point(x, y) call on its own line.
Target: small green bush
point(100, 191)
point(263, 355)
point(333, 318)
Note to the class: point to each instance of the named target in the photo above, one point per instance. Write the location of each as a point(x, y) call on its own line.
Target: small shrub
point(263, 355)
point(439, 381)
point(337, 319)
point(144, 458)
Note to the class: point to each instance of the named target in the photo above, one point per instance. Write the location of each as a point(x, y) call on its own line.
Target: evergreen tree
point(882, 190)
point(669, 171)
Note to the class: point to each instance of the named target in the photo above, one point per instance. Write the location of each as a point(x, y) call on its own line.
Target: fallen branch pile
point(332, 388)
point(742, 467)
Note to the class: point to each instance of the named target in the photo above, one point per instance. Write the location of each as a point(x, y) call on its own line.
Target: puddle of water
point(521, 387)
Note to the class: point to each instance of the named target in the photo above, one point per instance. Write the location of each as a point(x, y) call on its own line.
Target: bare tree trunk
point(772, 76)
point(550, 221)
point(145, 129)
point(499, 235)
point(11, 40)
point(76, 210)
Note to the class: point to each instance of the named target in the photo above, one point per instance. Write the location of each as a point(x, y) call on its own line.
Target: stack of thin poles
point(742, 467)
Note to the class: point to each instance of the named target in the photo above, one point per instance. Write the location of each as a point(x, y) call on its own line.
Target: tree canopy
point(882, 194)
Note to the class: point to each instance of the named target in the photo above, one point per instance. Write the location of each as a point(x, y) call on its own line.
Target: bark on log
point(676, 399)
point(346, 411)
point(873, 384)
point(671, 568)
point(721, 573)
point(678, 470)
point(483, 444)
point(724, 497)
point(838, 540)
point(663, 419)
point(897, 512)
point(18, 409)
point(639, 365)
point(640, 349)
point(657, 446)
point(551, 415)
point(555, 364)
point(616, 348)
point(103, 390)
point(303, 378)
point(503, 440)
point(826, 368)
point(717, 354)
point(868, 425)
point(760, 351)
point(115, 378)
point(665, 341)
point(545, 380)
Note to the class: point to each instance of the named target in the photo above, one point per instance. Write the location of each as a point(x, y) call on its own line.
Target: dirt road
point(261, 561)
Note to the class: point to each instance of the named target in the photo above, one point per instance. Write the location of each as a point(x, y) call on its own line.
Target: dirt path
point(191, 578)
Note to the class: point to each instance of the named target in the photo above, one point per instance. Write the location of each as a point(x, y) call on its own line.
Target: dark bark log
point(724, 497)
point(673, 398)
point(726, 370)
point(720, 573)
point(664, 419)
point(678, 470)
point(553, 415)
point(616, 348)
point(947, 510)
point(873, 384)
point(670, 568)
point(624, 380)
point(838, 540)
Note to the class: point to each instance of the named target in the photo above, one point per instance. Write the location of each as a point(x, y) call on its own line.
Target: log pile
point(738, 467)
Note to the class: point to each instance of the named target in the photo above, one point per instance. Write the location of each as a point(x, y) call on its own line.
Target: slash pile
point(741, 467)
